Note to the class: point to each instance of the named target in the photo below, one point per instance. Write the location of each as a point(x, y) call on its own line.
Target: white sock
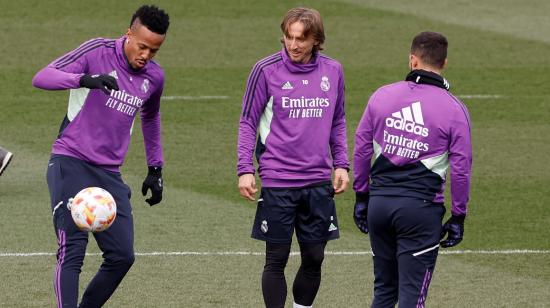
point(300, 306)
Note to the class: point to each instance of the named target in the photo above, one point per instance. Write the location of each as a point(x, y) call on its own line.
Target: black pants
point(404, 235)
point(66, 177)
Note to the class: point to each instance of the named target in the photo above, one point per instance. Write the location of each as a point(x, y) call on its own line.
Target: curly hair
point(153, 18)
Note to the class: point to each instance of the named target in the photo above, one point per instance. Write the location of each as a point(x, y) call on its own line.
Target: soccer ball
point(93, 209)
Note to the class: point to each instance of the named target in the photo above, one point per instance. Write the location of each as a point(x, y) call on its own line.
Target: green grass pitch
point(498, 62)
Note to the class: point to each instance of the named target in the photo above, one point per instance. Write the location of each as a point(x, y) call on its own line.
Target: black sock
point(273, 277)
point(308, 279)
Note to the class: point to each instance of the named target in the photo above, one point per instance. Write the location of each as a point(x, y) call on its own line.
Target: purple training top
point(99, 125)
point(414, 131)
point(298, 110)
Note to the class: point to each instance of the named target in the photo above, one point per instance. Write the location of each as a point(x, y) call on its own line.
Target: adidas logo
point(113, 74)
point(332, 227)
point(407, 120)
point(287, 86)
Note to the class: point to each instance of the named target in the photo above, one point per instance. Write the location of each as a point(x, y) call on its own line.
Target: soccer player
point(295, 100)
point(414, 129)
point(111, 80)
point(5, 158)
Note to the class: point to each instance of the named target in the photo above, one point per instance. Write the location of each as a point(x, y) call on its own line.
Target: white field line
point(294, 253)
point(479, 96)
point(194, 98)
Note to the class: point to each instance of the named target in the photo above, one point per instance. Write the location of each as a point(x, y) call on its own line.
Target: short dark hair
point(153, 18)
point(431, 48)
point(313, 24)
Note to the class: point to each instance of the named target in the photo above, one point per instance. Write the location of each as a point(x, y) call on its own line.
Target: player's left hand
point(153, 181)
point(341, 180)
point(454, 227)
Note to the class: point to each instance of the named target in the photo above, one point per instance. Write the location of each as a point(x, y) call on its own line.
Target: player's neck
point(125, 53)
point(428, 68)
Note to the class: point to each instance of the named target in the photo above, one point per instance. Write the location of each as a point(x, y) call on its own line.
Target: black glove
point(153, 181)
point(454, 228)
point(360, 211)
point(103, 82)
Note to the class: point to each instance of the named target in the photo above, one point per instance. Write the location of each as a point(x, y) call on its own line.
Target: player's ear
point(444, 64)
point(416, 62)
point(413, 62)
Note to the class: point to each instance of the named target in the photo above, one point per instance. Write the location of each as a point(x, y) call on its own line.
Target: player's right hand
point(360, 211)
point(247, 186)
point(103, 82)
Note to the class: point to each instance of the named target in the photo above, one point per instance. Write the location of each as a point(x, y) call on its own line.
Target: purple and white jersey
point(298, 110)
point(99, 125)
point(414, 130)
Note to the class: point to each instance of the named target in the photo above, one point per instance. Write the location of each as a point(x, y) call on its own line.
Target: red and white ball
point(93, 209)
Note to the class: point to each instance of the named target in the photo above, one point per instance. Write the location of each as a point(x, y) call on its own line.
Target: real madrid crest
point(325, 85)
point(145, 86)
point(264, 227)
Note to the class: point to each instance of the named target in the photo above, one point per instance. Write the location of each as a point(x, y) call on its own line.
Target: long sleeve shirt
point(414, 131)
point(97, 127)
point(298, 111)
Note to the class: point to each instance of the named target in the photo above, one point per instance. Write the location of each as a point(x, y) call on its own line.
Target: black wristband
point(157, 171)
point(457, 219)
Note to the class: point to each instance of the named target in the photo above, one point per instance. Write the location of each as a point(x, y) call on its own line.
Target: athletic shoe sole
point(5, 162)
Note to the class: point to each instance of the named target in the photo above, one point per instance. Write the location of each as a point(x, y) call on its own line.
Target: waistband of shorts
point(307, 185)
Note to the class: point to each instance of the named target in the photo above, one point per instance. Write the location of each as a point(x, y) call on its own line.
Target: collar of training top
point(297, 68)
point(425, 77)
